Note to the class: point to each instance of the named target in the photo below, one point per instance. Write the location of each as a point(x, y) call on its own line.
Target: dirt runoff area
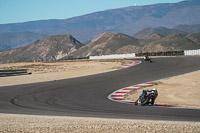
point(42, 72)
point(53, 124)
point(180, 91)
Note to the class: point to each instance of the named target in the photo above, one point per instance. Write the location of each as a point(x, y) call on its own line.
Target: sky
point(15, 11)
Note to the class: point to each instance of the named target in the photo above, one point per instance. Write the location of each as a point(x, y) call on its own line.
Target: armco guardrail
point(192, 52)
point(5, 73)
point(114, 56)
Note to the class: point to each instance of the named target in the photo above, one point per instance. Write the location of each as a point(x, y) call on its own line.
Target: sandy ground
point(53, 124)
point(180, 90)
point(58, 70)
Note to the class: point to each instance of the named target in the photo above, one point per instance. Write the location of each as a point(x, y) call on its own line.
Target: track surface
point(87, 96)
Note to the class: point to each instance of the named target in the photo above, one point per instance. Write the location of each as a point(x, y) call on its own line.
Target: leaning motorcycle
point(144, 99)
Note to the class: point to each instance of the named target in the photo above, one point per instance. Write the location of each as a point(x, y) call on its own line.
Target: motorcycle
point(147, 98)
point(148, 60)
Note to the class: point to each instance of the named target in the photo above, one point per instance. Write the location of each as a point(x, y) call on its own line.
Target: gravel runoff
point(10, 123)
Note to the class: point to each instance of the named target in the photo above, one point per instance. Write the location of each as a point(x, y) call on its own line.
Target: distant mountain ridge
point(11, 40)
point(174, 42)
point(195, 28)
point(128, 20)
point(182, 29)
point(160, 30)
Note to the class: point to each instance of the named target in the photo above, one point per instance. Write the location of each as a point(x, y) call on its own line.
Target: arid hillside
point(48, 49)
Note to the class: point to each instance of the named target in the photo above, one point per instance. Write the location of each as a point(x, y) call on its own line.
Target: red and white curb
point(136, 62)
point(118, 96)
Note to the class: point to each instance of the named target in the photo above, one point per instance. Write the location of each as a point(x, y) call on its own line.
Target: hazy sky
point(13, 11)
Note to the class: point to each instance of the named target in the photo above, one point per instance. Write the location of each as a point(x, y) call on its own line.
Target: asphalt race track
point(87, 96)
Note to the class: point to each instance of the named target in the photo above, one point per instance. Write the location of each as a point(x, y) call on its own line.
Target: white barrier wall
point(114, 56)
point(192, 52)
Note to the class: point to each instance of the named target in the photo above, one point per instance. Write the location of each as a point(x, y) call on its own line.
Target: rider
point(146, 57)
point(147, 92)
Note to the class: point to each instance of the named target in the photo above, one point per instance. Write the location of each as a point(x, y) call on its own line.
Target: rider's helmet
point(154, 89)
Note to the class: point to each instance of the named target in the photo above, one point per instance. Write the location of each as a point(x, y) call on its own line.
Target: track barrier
point(113, 56)
point(5, 73)
point(192, 52)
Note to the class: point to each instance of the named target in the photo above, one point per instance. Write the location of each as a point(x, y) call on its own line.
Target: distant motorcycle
point(147, 97)
point(147, 59)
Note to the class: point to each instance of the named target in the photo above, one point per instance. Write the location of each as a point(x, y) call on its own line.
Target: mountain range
point(61, 47)
point(118, 43)
point(128, 20)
